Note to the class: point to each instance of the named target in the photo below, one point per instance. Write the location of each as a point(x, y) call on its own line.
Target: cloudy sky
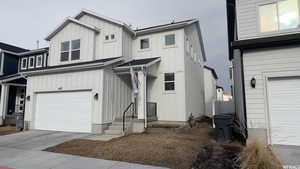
point(23, 22)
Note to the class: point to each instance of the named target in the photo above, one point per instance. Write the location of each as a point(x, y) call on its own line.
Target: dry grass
point(258, 156)
point(173, 149)
point(5, 130)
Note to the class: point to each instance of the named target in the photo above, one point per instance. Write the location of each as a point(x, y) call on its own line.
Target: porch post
point(141, 106)
point(3, 101)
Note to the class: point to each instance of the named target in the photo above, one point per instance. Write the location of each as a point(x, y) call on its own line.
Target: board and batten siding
point(72, 81)
point(170, 104)
point(72, 32)
point(194, 73)
point(116, 95)
point(105, 49)
point(256, 64)
point(210, 85)
point(248, 19)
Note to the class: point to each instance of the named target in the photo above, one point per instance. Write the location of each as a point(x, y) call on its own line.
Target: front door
point(20, 100)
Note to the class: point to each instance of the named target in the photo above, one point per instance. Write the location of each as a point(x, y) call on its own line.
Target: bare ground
point(176, 150)
point(5, 130)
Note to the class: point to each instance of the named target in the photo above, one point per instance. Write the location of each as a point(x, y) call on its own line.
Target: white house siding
point(72, 32)
point(116, 95)
point(171, 105)
point(257, 63)
point(194, 73)
point(127, 44)
point(210, 91)
point(72, 81)
point(105, 49)
point(247, 19)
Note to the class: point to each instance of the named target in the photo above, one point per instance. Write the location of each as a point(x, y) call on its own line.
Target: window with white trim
point(145, 43)
point(75, 53)
point(169, 80)
point(31, 62)
point(39, 61)
point(278, 16)
point(64, 51)
point(23, 63)
point(170, 40)
point(70, 50)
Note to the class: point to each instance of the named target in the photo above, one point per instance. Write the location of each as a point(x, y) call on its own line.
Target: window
point(23, 63)
point(39, 61)
point(170, 40)
point(145, 43)
point(75, 49)
point(64, 49)
point(169, 81)
point(31, 62)
point(106, 37)
point(279, 16)
point(112, 36)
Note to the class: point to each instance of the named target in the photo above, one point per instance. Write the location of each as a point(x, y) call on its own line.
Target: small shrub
point(258, 156)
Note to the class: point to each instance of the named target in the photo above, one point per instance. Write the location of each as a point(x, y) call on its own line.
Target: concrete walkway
point(23, 151)
point(30, 159)
point(288, 155)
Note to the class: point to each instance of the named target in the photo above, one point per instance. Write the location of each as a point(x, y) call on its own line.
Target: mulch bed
point(5, 130)
point(176, 150)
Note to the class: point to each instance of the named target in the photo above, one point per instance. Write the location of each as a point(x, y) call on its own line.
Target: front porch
point(12, 100)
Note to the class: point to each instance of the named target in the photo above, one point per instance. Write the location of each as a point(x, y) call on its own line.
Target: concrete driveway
point(288, 155)
point(23, 151)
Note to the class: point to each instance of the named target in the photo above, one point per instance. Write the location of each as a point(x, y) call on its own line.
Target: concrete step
point(113, 132)
point(118, 123)
point(118, 127)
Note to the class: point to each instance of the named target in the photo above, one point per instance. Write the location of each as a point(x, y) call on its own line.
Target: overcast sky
point(23, 22)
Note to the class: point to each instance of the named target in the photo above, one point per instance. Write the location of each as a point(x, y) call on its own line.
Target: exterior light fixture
point(96, 96)
point(28, 98)
point(253, 82)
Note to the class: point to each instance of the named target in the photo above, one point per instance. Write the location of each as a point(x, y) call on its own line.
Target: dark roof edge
point(212, 70)
point(265, 42)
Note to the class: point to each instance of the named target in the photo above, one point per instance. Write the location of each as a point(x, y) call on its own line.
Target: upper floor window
point(110, 37)
point(39, 61)
point(23, 63)
point(169, 81)
point(281, 15)
point(70, 50)
point(31, 62)
point(170, 40)
point(145, 44)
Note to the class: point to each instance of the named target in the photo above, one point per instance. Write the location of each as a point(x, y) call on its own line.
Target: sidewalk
point(29, 159)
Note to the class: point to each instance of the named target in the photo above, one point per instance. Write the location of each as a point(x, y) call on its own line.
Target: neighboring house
point(13, 84)
point(210, 84)
point(266, 66)
point(220, 93)
point(87, 84)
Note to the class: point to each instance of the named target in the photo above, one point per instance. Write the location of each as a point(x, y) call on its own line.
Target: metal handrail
point(124, 115)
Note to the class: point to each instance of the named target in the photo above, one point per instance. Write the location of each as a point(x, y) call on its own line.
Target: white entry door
point(63, 111)
point(284, 110)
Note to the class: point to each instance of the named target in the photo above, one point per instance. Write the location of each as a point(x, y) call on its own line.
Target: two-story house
point(266, 63)
point(13, 85)
point(87, 84)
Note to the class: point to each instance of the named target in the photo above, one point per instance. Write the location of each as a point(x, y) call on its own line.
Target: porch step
point(113, 132)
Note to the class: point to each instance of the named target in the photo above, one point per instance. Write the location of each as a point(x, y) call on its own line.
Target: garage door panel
point(63, 111)
point(284, 109)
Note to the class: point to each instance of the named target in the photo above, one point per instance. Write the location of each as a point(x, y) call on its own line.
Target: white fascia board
point(11, 78)
point(32, 52)
point(200, 39)
point(102, 17)
point(66, 22)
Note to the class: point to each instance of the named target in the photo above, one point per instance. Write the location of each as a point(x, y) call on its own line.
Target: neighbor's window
point(170, 40)
point(169, 81)
point(39, 61)
point(75, 50)
point(107, 37)
point(112, 36)
point(31, 62)
point(64, 51)
point(279, 16)
point(145, 43)
point(23, 63)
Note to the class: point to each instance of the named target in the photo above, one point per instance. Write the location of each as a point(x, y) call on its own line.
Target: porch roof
point(138, 63)
point(15, 78)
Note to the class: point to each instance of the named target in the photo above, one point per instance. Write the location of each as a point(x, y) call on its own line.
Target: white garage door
point(63, 111)
point(284, 107)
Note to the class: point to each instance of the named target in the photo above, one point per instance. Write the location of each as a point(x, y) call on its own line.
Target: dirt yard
point(5, 130)
point(172, 149)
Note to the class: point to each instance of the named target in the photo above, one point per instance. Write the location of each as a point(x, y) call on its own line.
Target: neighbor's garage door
point(284, 108)
point(63, 111)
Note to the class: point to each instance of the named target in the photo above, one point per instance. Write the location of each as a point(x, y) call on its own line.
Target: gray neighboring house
point(265, 53)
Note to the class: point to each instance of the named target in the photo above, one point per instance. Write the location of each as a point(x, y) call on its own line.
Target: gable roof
point(11, 48)
point(212, 70)
point(66, 22)
point(102, 17)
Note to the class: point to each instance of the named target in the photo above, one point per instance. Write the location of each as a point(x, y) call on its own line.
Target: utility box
point(19, 121)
